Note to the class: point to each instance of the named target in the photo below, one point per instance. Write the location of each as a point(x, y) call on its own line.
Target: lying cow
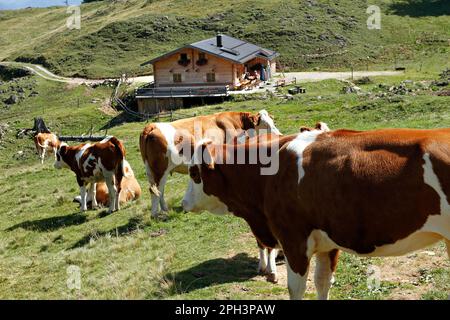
point(160, 143)
point(374, 193)
point(131, 189)
point(46, 142)
point(92, 163)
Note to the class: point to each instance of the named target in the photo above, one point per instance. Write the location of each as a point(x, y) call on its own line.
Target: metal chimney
point(219, 40)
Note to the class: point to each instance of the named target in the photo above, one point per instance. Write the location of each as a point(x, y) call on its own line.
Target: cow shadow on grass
point(52, 223)
point(421, 8)
point(239, 268)
point(120, 119)
point(133, 224)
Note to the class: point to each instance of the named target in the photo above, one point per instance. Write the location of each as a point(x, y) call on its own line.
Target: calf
point(374, 193)
point(92, 163)
point(46, 142)
point(160, 144)
point(131, 189)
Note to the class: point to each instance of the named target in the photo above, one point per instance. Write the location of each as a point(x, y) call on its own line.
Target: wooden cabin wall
point(192, 74)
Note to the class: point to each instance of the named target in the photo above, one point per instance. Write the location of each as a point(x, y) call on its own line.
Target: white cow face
point(265, 122)
point(195, 199)
point(59, 162)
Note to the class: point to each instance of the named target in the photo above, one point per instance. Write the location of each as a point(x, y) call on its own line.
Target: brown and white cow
point(373, 193)
point(92, 163)
point(160, 144)
point(46, 142)
point(131, 190)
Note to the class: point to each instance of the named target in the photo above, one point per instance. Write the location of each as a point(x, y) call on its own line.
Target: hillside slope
point(119, 36)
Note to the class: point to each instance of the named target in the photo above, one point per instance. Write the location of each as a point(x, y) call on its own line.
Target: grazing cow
point(46, 142)
point(92, 163)
point(160, 143)
point(131, 189)
point(373, 193)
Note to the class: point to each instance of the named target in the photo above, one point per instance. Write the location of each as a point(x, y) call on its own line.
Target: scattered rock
point(363, 80)
point(158, 233)
point(445, 74)
point(350, 89)
point(310, 17)
point(444, 93)
point(323, 37)
point(19, 155)
point(13, 99)
point(4, 128)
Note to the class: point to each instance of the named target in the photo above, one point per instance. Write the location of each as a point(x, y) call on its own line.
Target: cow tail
point(122, 153)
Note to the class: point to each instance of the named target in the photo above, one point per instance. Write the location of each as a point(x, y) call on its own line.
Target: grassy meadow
point(128, 255)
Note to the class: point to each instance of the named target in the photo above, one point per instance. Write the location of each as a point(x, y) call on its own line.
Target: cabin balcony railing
point(182, 92)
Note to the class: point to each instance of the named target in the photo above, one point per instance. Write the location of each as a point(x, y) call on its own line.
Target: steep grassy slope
point(117, 37)
point(129, 255)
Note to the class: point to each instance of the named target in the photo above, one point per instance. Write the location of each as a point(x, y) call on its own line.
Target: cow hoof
point(262, 271)
point(272, 277)
point(162, 216)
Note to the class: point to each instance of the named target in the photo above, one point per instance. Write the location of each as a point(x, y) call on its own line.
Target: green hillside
point(119, 36)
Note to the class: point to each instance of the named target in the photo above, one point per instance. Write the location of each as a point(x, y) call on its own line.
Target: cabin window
point(184, 61)
point(201, 59)
point(177, 77)
point(211, 77)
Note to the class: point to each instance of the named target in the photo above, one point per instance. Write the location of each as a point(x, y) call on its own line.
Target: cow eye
point(194, 173)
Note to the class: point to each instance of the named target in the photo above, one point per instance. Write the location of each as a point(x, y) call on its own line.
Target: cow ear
point(62, 149)
point(303, 129)
point(208, 154)
point(184, 146)
point(322, 126)
point(254, 119)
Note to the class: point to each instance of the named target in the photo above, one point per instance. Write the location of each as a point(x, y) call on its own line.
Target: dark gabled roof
point(232, 49)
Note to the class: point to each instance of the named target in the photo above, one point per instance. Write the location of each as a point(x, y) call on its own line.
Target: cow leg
point(297, 281)
point(262, 266)
point(112, 191)
point(162, 185)
point(118, 182)
point(83, 195)
point(42, 155)
point(323, 277)
point(272, 266)
point(154, 191)
point(93, 195)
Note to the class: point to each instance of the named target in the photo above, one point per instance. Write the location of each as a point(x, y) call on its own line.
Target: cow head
point(321, 126)
point(60, 156)
point(261, 121)
point(265, 121)
point(205, 183)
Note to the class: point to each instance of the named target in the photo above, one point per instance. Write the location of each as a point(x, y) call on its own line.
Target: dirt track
point(300, 76)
